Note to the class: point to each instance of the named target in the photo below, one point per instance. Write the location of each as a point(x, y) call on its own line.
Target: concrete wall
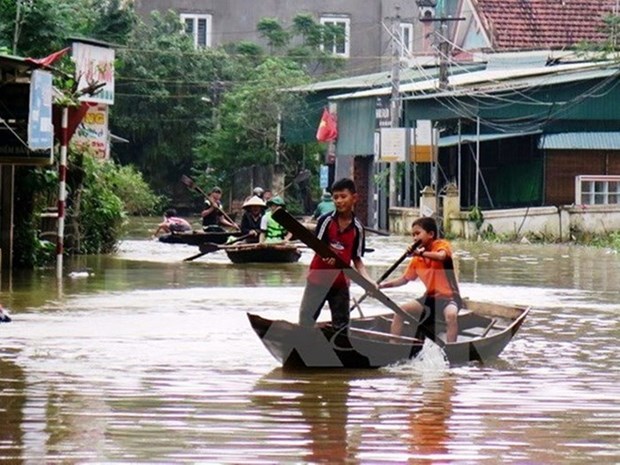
point(236, 20)
point(552, 222)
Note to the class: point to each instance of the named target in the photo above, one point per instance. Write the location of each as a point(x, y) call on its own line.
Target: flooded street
point(150, 359)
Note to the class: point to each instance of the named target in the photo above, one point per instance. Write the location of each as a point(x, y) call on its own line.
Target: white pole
point(477, 159)
point(62, 191)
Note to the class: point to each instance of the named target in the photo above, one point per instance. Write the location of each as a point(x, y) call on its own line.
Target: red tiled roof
point(532, 24)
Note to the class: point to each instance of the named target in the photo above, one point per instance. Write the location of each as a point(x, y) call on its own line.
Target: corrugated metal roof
point(496, 80)
point(580, 141)
point(449, 141)
point(383, 79)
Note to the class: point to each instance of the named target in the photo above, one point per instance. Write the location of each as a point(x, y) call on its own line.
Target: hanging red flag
point(328, 129)
point(50, 59)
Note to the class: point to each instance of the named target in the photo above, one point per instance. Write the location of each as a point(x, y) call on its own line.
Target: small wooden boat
point(484, 331)
point(197, 237)
point(263, 253)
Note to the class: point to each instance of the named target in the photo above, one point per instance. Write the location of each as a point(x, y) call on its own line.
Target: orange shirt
point(432, 272)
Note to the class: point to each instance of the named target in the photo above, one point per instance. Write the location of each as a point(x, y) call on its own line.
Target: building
point(367, 24)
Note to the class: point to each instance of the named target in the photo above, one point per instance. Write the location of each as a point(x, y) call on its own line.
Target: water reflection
point(314, 406)
point(152, 360)
point(336, 417)
point(12, 403)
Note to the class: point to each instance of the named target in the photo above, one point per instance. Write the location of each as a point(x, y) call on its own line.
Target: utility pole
point(395, 100)
point(435, 11)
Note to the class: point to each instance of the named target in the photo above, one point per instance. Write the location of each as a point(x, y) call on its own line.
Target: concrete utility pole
point(395, 106)
point(432, 11)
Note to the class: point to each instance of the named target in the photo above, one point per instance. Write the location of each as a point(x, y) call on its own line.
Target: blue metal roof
point(448, 141)
point(581, 141)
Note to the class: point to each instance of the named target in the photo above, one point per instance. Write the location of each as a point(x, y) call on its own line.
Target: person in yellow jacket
point(271, 230)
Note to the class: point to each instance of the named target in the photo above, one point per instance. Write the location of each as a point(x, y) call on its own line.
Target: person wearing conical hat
point(253, 211)
point(271, 230)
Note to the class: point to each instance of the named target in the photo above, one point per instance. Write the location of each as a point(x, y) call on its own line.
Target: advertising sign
point(393, 144)
point(93, 131)
point(95, 65)
point(422, 150)
point(40, 129)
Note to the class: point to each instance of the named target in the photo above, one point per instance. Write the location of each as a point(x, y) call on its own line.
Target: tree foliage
point(166, 92)
point(303, 42)
point(248, 119)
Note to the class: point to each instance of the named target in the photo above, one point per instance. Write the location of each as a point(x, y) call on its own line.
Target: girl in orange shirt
point(432, 263)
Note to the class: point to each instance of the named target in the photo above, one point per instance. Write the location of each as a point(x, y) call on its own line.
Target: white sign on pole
point(324, 176)
point(95, 65)
point(393, 144)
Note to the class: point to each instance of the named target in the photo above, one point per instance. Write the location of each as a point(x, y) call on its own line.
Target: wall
point(552, 222)
point(235, 20)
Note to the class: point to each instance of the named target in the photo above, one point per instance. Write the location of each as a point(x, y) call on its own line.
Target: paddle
point(208, 247)
point(189, 182)
point(302, 176)
point(389, 271)
point(323, 250)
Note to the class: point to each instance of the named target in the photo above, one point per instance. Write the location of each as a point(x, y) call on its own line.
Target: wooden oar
point(208, 247)
point(189, 182)
point(388, 272)
point(322, 249)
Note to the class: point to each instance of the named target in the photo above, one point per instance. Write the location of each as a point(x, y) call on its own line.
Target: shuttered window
point(199, 28)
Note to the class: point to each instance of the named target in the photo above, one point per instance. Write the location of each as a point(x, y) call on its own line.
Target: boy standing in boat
point(344, 233)
point(432, 263)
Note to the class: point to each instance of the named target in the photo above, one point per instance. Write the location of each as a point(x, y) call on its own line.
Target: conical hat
point(254, 201)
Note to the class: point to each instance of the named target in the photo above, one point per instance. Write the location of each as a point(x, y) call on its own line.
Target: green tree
point(37, 28)
point(271, 29)
point(248, 118)
point(303, 42)
point(166, 91)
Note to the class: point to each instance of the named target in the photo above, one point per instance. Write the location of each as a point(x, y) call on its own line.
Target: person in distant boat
point(4, 315)
point(172, 224)
point(326, 205)
point(344, 233)
point(213, 216)
point(256, 192)
point(271, 230)
point(432, 263)
point(253, 211)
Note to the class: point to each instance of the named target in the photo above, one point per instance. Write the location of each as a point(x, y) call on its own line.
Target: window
point(198, 27)
point(406, 39)
point(339, 43)
point(597, 190)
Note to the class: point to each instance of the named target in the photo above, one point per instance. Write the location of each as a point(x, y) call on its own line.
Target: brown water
point(152, 360)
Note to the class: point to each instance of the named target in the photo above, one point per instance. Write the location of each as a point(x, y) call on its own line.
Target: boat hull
point(263, 253)
point(197, 237)
point(484, 331)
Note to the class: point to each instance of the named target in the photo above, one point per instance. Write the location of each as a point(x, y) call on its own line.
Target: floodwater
point(149, 359)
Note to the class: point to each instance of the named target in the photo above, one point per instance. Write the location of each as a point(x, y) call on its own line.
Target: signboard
point(383, 117)
point(93, 131)
point(324, 177)
point(40, 129)
point(422, 150)
point(93, 65)
point(14, 133)
point(393, 144)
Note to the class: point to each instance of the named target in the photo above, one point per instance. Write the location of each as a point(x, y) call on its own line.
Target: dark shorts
point(314, 299)
point(177, 228)
point(435, 305)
